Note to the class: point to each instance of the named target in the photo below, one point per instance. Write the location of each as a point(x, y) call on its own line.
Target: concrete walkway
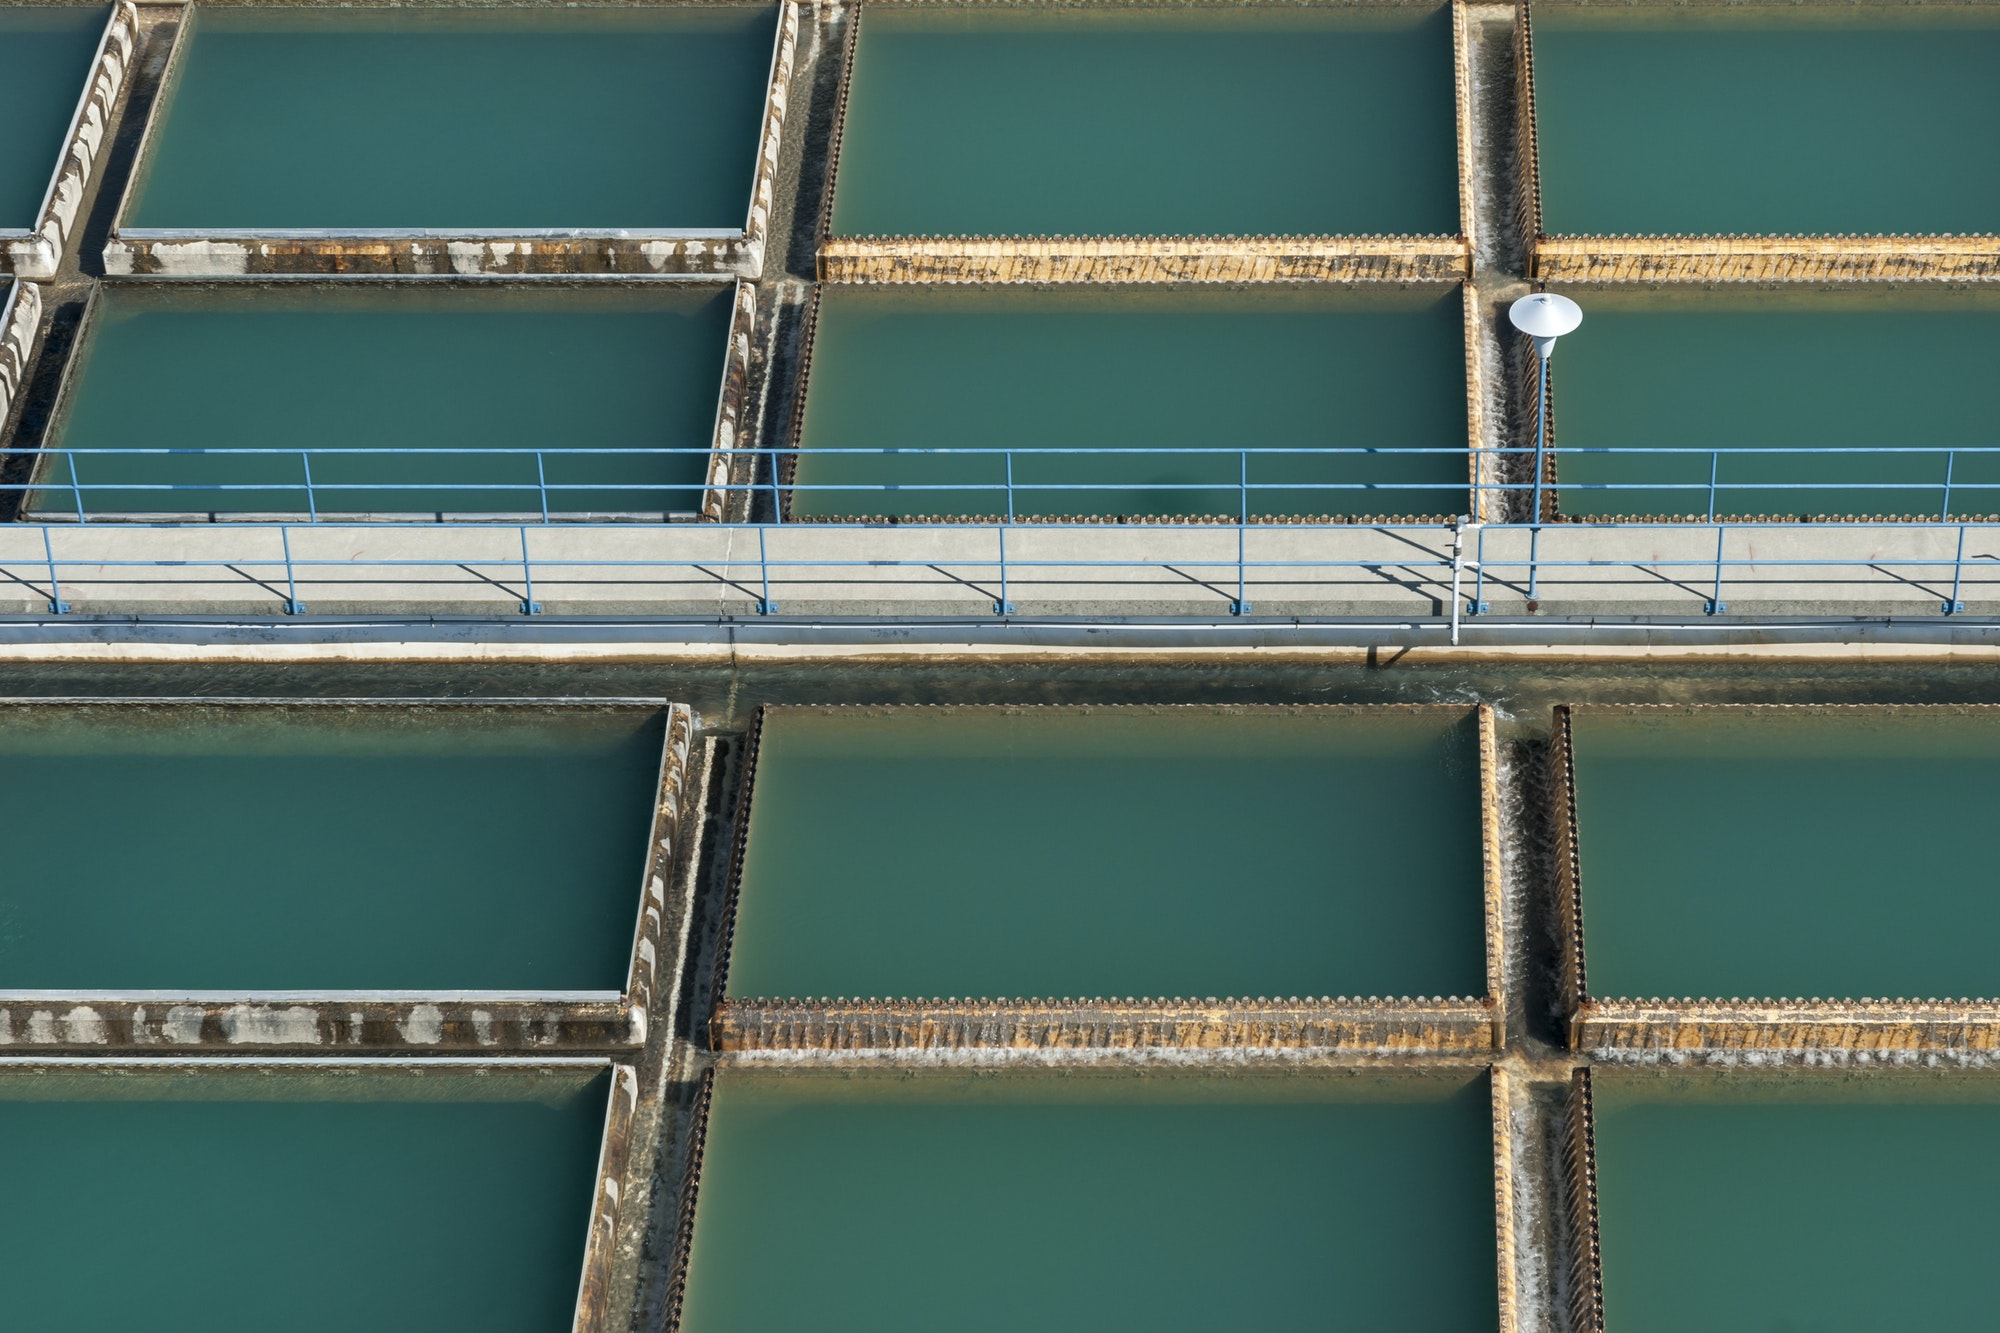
point(1101, 572)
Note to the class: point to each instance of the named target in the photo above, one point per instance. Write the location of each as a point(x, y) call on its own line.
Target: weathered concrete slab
point(1099, 570)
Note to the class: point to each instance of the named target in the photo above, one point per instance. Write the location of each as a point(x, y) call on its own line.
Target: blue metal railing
point(1446, 557)
point(109, 481)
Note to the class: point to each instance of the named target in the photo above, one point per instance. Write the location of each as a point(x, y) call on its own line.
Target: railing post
point(312, 502)
point(1944, 514)
point(542, 483)
point(1005, 606)
point(1010, 491)
point(1716, 606)
point(1479, 607)
point(75, 486)
point(529, 605)
point(57, 606)
point(1714, 463)
point(1541, 434)
point(1956, 604)
point(1458, 567)
point(777, 500)
point(1241, 606)
point(767, 606)
point(1541, 470)
point(293, 606)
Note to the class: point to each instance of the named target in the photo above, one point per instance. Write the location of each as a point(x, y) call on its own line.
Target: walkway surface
point(1104, 572)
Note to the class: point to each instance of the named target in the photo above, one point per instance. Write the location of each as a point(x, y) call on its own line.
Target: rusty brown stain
point(1140, 259)
point(1903, 258)
point(1375, 1025)
point(488, 256)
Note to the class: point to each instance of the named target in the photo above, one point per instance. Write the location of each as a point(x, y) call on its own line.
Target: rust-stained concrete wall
point(1698, 259)
point(1362, 1027)
point(20, 319)
point(1579, 1167)
point(40, 253)
point(82, 1023)
point(1844, 1031)
point(1088, 259)
point(607, 1214)
point(733, 464)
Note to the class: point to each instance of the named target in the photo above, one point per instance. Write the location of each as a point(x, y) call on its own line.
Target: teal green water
point(1027, 853)
point(464, 118)
point(317, 1217)
point(1064, 121)
point(888, 1211)
point(1731, 377)
point(463, 372)
point(44, 61)
point(1832, 854)
point(1144, 375)
point(201, 849)
point(1783, 122)
point(1774, 1217)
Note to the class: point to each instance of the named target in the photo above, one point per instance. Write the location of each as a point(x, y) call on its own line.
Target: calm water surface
point(1789, 377)
point(1060, 121)
point(1824, 1217)
point(1659, 120)
point(481, 119)
point(404, 1214)
point(1143, 375)
point(896, 1210)
point(44, 61)
point(461, 372)
point(1152, 853)
point(205, 849)
point(1827, 854)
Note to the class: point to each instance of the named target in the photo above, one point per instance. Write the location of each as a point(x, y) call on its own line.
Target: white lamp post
point(1544, 317)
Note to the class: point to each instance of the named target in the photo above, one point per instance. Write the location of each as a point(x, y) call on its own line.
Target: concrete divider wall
point(20, 319)
point(86, 1023)
point(662, 850)
point(1371, 1026)
point(1506, 1257)
point(1527, 144)
point(600, 1248)
point(777, 95)
point(1579, 1168)
point(1851, 1031)
point(683, 1233)
point(1572, 977)
point(1493, 885)
point(730, 466)
point(40, 253)
point(1463, 101)
point(1731, 258)
point(850, 42)
point(1122, 259)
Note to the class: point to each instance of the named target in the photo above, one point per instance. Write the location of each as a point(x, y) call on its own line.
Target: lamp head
point(1545, 317)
